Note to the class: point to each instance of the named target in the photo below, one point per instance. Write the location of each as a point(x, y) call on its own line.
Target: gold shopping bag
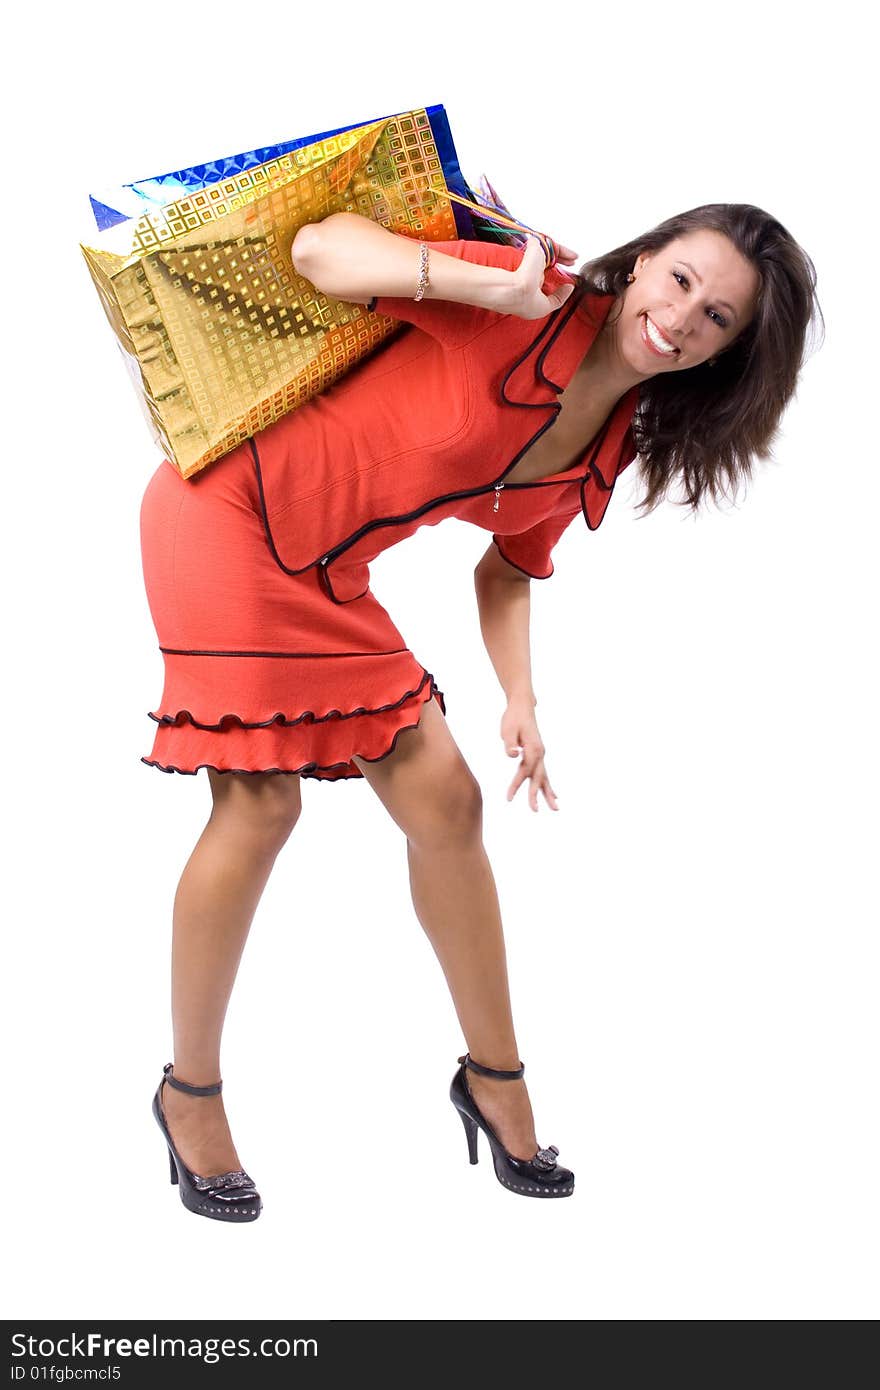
point(221, 334)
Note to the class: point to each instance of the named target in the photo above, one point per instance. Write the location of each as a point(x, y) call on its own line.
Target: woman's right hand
point(527, 297)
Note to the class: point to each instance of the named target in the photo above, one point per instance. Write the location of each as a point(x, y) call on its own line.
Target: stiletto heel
point(471, 1130)
point(539, 1176)
point(225, 1197)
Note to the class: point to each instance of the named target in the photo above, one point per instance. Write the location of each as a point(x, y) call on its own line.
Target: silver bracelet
point(423, 270)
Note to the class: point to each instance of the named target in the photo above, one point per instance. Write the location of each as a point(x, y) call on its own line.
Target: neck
point(603, 371)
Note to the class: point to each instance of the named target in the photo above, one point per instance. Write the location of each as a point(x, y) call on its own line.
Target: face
point(689, 302)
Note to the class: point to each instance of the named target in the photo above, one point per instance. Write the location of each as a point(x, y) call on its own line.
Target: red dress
point(278, 657)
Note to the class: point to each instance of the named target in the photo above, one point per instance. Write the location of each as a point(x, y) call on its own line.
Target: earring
point(630, 278)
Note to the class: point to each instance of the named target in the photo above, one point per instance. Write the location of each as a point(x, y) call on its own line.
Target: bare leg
point(221, 886)
point(430, 792)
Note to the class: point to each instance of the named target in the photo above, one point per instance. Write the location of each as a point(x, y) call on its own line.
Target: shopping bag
point(221, 334)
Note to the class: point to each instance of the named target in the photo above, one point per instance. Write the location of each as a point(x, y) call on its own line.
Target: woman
point(683, 346)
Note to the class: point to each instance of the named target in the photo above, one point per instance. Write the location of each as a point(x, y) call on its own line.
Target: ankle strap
point(491, 1071)
point(212, 1090)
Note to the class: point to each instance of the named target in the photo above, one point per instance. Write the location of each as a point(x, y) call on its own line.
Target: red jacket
point(433, 418)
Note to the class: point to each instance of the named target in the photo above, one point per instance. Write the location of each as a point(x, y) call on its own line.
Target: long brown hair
point(708, 425)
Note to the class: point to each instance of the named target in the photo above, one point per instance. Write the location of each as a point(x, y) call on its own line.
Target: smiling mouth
point(655, 340)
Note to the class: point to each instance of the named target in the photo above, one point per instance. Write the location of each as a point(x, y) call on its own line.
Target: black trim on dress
point(324, 577)
point(552, 326)
point(515, 566)
point(311, 769)
point(238, 722)
point(287, 656)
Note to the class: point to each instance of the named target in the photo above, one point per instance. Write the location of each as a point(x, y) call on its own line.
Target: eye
point(717, 318)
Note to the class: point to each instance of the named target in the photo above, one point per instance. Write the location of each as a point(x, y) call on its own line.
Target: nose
point(678, 327)
point(674, 323)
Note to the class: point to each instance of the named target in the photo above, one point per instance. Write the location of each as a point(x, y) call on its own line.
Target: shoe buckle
point(545, 1159)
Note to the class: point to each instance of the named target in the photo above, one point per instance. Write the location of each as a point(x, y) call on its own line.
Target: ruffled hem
point(311, 744)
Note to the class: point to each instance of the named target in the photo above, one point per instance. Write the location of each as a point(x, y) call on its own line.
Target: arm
point(504, 601)
point(353, 258)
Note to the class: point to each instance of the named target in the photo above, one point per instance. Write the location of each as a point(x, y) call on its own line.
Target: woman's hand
point(567, 255)
point(519, 730)
point(527, 298)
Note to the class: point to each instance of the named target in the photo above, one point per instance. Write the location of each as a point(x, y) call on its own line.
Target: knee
point(264, 809)
point(450, 813)
point(275, 825)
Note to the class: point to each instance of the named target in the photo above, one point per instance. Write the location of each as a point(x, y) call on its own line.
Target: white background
point(691, 938)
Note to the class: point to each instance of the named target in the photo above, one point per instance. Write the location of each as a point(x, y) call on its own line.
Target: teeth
point(656, 339)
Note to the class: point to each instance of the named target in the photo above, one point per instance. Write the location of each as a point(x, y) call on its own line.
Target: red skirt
point(263, 673)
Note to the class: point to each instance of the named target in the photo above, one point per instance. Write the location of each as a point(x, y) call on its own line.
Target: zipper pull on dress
point(498, 487)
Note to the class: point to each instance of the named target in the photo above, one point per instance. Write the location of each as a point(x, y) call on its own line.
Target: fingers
point(538, 781)
point(558, 297)
point(534, 267)
point(566, 255)
point(548, 793)
point(533, 251)
point(522, 739)
point(516, 784)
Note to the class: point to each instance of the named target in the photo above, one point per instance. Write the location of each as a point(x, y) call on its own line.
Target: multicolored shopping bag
point(221, 334)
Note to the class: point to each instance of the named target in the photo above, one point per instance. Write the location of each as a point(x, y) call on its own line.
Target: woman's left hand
point(519, 730)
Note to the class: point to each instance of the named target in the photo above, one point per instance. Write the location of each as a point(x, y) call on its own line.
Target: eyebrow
point(723, 302)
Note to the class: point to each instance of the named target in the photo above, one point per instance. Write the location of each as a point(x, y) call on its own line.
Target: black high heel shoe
point(540, 1176)
point(225, 1197)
